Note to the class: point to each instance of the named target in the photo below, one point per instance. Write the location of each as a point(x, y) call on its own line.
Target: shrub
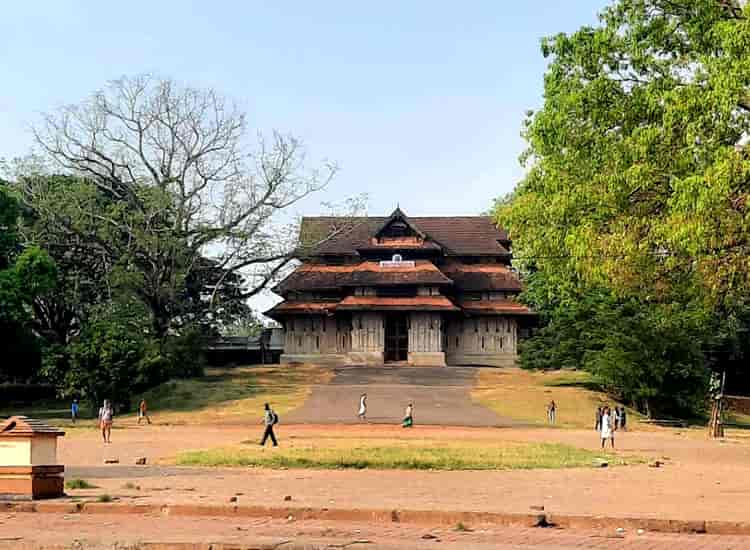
point(79, 484)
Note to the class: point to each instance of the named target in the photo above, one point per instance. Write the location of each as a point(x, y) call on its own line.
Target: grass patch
point(524, 395)
point(104, 498)
point(79, 484)
point(235, 394)
point(395, 454)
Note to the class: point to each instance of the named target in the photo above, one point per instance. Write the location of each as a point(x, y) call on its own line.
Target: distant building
point(263, 348)
point(417, 291)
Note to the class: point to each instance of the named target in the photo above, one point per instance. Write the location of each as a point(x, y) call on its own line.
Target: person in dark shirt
point(270, 419)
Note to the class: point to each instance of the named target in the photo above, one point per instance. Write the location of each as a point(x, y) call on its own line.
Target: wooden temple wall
point(425, 332)
point(314, 335)
point(487, 340)
point(368, 333)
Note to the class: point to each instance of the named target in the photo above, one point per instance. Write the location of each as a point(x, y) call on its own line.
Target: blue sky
point(419, 102)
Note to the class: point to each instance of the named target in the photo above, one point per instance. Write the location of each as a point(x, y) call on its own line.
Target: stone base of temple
point(483, 359)
point(325, 359)
point(426, 359)
point(366, 358)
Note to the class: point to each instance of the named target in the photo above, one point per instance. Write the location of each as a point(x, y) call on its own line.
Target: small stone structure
point(28, 460)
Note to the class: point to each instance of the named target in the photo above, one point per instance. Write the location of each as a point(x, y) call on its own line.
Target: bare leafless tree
point(219, 193)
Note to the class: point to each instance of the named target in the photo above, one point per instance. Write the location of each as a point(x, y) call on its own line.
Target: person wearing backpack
point(270, 419)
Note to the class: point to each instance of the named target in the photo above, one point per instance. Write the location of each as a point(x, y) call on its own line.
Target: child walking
point(408, 421)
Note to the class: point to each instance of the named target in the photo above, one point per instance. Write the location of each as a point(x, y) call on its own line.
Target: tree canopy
point(638, 164)
point(163, 186)
point(143, 227)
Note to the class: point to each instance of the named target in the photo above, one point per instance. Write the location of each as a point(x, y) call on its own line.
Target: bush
point(79, 484)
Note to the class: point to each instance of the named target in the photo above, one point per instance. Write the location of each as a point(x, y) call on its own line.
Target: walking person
point(408, 421)
point(74, 411)
point(607, 430)
point(623, 419)
point(270, 419)
point(106, 417)
point(143, 411)
point(362, 414)
point(599, 411)
point(551, 412)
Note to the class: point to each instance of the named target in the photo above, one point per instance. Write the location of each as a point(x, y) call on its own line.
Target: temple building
point(423, 291)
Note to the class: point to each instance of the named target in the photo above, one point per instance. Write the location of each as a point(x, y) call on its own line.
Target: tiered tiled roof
point(450, 242)
point(327, 277)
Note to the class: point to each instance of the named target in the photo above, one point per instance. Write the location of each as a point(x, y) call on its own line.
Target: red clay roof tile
point(495, 307)
point(328, 277)
point(302, 308)
point(382, 303)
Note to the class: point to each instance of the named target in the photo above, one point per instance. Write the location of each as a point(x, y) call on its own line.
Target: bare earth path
point(102, 531)
point(440, 396)
point(701, 480)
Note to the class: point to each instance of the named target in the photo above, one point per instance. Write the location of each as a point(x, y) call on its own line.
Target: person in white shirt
point(362, 414)
point(106, 416)
point(607, 430)
point(408, 421)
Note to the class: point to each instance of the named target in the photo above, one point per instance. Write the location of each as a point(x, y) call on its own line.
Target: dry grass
point(401, 453)
point(233, 395)
point(230, 395)
point(524, 395)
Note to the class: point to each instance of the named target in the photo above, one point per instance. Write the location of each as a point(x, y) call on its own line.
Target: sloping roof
point(327, 277)
point(399, 215)
point(301, 308)
point(473, 277)
point(382, 303)
point(459, 235)
point(495, 307)
point(23, 426)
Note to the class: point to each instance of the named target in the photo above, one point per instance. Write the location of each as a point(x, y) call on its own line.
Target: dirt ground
point(699, 480)
point(56, 531)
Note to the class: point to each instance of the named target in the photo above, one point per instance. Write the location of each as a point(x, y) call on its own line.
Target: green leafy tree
point(649, 355)
point(637, 168)
point(638, 181)
point(23, 277)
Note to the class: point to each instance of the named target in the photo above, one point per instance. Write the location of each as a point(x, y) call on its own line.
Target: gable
point(458, 236)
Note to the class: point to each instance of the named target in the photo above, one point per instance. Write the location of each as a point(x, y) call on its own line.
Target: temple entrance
point(396, 337)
